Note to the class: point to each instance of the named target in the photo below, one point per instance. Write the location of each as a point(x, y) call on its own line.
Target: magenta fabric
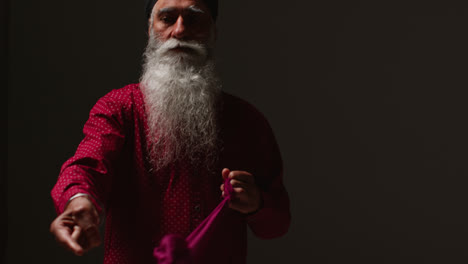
point(204, 240)
point(142, 206)
point(173, 249)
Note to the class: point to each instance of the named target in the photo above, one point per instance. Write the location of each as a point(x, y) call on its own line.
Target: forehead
point(179, 4)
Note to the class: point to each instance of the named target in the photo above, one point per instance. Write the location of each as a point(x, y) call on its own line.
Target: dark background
point(367, 100)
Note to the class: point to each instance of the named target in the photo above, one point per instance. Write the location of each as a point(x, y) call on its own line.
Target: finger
point(92, 237)
point(241, 176)
point(225, 173)
point(86, 234)
point(62, 228)
point(238, 195)
point(68, 222)
point(237, 183)
point(70, 241)
point(76, 233)
point(239, 190)
point(221, 187)
point(79, 236)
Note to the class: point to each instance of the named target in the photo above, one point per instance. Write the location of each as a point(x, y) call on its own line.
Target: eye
point(191, 18)
point(168, 19)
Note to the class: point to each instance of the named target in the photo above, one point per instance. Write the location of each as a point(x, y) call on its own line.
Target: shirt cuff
point(72, 191)
point(93, 201)
point(76, 196)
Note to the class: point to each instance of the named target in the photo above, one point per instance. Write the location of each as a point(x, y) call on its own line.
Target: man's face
point(185, 20)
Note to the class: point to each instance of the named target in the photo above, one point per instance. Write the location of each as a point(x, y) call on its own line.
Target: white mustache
point(169, 44)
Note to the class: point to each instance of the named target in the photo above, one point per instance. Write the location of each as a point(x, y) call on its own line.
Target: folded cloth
point(175, 249)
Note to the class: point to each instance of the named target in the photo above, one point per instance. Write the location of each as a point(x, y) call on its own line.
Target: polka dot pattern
point(141, 205)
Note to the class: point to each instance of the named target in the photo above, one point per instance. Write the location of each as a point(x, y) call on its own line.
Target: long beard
point(181, 92)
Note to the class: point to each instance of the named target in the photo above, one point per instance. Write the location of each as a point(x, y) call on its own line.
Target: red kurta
point(111, 165)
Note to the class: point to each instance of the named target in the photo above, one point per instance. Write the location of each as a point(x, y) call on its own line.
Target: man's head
point(189, 20)
point(211, 4)
point(183, 29)
point(179, 83)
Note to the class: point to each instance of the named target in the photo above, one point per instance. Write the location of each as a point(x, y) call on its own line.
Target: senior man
point(154, 154)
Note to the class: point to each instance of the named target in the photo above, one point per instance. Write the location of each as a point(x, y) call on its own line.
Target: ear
point(149, 24)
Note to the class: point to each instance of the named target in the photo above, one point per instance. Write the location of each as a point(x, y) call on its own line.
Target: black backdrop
point(367, 100)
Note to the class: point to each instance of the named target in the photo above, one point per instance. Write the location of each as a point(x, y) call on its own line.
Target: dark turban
point(211, 4)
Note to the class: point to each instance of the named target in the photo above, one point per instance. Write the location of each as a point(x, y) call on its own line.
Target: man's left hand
point(246, 197)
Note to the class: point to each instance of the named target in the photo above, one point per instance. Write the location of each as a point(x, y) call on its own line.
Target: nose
point(179, 30)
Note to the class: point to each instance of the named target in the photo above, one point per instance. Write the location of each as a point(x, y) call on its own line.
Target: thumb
point(74, 244)
point(67, 237)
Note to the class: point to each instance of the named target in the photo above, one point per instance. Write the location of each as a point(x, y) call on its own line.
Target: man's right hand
point(77, 227)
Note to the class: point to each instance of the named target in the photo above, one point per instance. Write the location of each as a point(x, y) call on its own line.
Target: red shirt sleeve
point(89, 170)
point(250, 145)
point(274, 217)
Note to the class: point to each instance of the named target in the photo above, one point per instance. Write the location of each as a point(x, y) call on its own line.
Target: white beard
point(181, 92)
